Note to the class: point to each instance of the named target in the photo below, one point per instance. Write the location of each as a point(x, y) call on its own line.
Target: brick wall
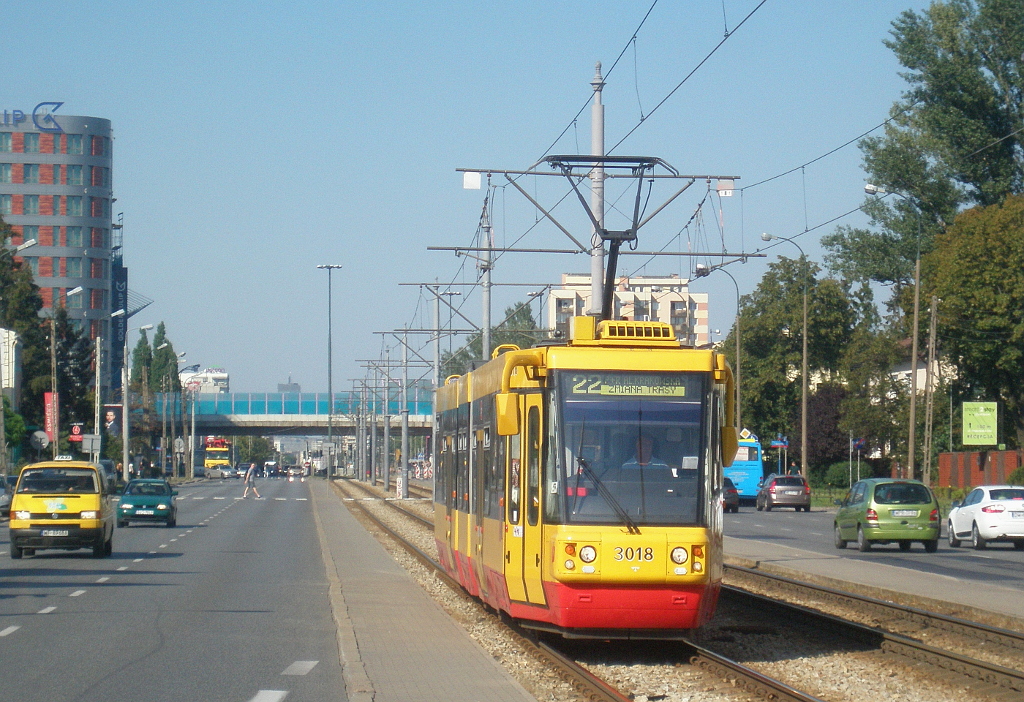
point(969, 468)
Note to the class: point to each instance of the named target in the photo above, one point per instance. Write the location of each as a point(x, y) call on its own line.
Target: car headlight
point(89, 514)
point(588, 554)
point(161, 506)
point(22, 515)
point(125, 505)
point(679, 555)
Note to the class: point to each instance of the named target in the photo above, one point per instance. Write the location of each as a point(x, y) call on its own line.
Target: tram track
point(734, 674)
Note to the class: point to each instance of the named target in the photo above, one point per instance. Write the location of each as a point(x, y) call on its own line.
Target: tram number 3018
point(634, 554)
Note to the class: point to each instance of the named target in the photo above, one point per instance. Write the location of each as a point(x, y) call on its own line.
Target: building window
point(56, 143)
point(75, 301)
point(31, 143)
point(31, 205)
point(33, 264)
point(5, 204)
point(31, 173)
point(5, 142)
point(99, 268)
point(75, 144)
point(56, 174)
point(75, 238)
point(73, 268)
point(5, 173)
point(75, 175)
point(74, 206)
point(56, 205)
point(96, 149)
point(30, 231)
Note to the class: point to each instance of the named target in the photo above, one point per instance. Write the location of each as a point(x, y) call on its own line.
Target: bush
point(1016, 477)
point(838, 475)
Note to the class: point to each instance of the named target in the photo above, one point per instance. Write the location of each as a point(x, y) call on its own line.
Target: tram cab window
point(514, 477)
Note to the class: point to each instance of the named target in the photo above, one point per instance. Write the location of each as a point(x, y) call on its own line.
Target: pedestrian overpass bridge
point(281, 413)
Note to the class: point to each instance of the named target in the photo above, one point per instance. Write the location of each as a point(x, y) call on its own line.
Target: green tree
point(253, 449)
point(772, 348)
point(75, 374)
point(518, 327)
point(977, 271)
point(163, 374)
point(955, 138)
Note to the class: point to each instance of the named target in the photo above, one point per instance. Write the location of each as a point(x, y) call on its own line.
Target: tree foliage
point(977, 270)
point(163, 374)
point(955, 138)
point(75, 371)
point(518, 327)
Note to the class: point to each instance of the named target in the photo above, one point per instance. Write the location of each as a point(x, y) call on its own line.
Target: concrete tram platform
point(980, 602)
point(396, 643)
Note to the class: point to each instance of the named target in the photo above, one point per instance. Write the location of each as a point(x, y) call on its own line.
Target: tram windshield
point(628, 448)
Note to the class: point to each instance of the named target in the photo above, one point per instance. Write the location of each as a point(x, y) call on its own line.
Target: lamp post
point(3, 420)
point(125, 417)
point(330, 375)
point(872, 189)
point(703, 271)
point(803, 365)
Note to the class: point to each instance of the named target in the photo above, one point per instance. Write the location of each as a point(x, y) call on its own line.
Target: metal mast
point(597, 194)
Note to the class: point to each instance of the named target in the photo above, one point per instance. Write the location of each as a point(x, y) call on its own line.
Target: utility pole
point(98, 397)
point(929, 393)
point(55, 399)
point(404, 492)
point(597, 194)
point(485, 268)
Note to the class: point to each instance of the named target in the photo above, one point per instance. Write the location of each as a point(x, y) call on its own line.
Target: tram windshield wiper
point(609, 498)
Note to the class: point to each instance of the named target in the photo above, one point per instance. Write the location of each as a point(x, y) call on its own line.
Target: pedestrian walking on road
point(250, 480)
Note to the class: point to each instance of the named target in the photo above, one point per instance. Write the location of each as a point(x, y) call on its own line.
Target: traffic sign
point(76, 431)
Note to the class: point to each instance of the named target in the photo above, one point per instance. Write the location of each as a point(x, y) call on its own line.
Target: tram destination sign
point(633, 384)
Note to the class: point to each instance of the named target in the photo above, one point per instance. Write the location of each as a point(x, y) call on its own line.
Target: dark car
point(784, 491)
point(730, 496)
point(148, 500)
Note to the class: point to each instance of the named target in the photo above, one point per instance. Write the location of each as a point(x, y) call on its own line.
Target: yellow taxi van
point(62, 504)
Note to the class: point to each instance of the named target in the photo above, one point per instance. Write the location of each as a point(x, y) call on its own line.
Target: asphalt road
point(999, 564)
point(230, 605)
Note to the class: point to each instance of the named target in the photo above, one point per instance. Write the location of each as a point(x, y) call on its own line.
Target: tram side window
point(495, 502)
point(533, 469)
point(462, 471)
point(515, 477)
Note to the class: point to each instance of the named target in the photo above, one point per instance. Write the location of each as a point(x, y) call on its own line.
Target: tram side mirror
point(507, 406)
point(730, 445)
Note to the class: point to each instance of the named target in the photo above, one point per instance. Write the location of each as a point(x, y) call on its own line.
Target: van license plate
point(54, 532)
point(904, 513)
point(144, 511)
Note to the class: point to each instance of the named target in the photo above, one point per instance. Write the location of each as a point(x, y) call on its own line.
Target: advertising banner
point(112, 420)
point(51, 405)
point(981, 424)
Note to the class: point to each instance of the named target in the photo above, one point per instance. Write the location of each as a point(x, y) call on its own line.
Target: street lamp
point(125, 417)
point(703, 271)
point(872, 189)
point(330, 375)
point(803, 366)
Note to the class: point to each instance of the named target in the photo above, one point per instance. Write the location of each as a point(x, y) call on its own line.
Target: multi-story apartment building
point(644, 298)
point(56, 188)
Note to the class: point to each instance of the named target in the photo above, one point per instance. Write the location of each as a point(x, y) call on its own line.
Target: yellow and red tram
point(578, 486)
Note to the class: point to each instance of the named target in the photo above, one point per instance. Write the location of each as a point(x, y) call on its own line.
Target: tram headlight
point(588, 554)
point(679, 555)
point(569, 565)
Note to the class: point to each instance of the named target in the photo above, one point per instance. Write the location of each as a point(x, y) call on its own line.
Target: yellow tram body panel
point(538, 513)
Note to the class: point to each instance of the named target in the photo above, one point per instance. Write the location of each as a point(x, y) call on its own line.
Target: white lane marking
point(301, 499)
point(220, 498)
point(152, 552)
point(281, 499)
point(172, 541)
point(198, 498)
point(161, 546)
point(46, 610)
point(14, 628)
point(103, 579)
point(299, 668)
point(137, 560)
point(76, 593)
point(123, 568)
point(242, 498)
point(270, 696)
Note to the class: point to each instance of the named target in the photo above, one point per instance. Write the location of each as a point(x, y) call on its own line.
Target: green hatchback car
point(885, 511)
point(148, 501)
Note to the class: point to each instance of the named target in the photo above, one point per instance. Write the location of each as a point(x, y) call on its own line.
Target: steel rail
point(592, 686)
point(998, 677)
point(984, 632)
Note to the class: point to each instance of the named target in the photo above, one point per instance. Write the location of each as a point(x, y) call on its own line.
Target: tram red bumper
point(574, 607)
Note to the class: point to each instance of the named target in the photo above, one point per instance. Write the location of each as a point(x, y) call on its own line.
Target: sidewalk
point(989, 604)
point(396, 643)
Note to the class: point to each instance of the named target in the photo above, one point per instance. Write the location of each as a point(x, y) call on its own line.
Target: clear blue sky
point(255, 141)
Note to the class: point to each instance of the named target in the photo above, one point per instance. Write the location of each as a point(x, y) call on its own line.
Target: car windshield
point(1007, 494)
point(902, 494)
point(630, 449)
point(792, 480)
point(58, 481)
point(148, 489)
